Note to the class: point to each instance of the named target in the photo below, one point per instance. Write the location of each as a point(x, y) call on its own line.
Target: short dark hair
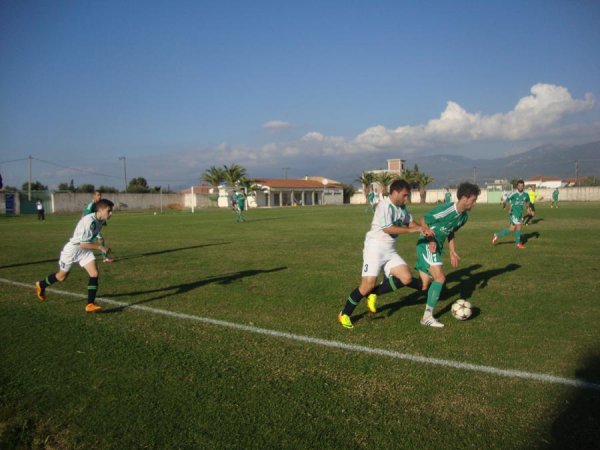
point(399, 185)
point(467, 189)
point(104, 203)
point(520, 182)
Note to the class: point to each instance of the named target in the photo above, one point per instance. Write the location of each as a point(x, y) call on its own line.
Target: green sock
point(517, 237)
point(503, 233)
point(433, 294)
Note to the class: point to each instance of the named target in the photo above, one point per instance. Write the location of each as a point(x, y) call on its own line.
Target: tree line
point(417, 180)
point(137, 185)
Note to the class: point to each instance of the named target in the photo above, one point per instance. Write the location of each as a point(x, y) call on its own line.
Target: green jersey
point(447, 197)
point(240, 201)
point(555, 195)
point(444, 220)
point(89, 208)
point(517, 201)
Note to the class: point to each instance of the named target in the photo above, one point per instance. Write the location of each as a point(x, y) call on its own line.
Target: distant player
point(39, 206)
point(447, 196)
point(516, 202)
point(554, 198)
point(79, 249)
point(241, 203)
point(89, 209)
point(391, 218)
point(444, 221)
point(534, 196)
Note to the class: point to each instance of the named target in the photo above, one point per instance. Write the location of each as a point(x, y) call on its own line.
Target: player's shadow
point(168, 250)
point(179, 289)
point(527, 236)
point(524, 238)
point(461, 283)
point(43, 261)
point(577, 425)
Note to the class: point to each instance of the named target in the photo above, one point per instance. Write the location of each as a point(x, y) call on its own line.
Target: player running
point(444, 221)
point(241, 203)
point(79, 249)
point(89, 209)
point(516, 202)
point(391, 218)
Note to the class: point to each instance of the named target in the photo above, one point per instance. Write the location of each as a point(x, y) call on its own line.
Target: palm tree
point(385, 179)
point(422, 180)
point(233, 174)
point(213, 176)
point(366, 179)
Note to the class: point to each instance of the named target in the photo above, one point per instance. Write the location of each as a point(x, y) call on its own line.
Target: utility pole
point(474, 175)
point(576, 172)
point(122, 158)
point(29, 185)
point(285, 170)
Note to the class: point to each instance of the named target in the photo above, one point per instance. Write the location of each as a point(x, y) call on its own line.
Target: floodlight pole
point(122, 158)
point(285, 171)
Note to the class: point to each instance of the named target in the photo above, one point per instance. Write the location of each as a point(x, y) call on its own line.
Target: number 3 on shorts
point(366, 268)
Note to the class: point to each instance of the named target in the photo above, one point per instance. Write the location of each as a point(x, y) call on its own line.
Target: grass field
point(129, 378)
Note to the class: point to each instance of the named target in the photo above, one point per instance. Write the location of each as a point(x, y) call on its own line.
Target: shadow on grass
point(168, 250)
point(121, 258)
point(460, 283)
point(183, 288)
point(525, 237)
point(577, 425)
point(31, 263)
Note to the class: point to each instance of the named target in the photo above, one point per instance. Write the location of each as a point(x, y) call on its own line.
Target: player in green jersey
point(241, 201)
point(516, 202)
point(444, 220)
point(447, 196)
point(554, 198)
point(90, 208)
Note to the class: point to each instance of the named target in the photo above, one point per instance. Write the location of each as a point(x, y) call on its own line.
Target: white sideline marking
point(341, 345)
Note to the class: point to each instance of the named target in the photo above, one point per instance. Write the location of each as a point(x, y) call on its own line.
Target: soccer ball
point(461, 309)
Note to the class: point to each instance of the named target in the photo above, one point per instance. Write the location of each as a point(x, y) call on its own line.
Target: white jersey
point(386, 215)
point(86, 231)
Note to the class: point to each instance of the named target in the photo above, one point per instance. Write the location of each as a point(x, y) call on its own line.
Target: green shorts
point(426, 258)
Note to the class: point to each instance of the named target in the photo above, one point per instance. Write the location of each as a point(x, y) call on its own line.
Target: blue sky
point(325, 88)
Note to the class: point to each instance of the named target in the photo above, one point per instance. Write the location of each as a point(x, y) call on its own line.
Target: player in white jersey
point(391, 218)
point(79, 249)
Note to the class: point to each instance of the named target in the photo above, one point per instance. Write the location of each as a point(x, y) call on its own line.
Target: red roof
point(200, 189)
point(543, 178)
point(291, 184)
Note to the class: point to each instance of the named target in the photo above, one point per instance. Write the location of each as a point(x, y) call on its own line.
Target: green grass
point(130, 379)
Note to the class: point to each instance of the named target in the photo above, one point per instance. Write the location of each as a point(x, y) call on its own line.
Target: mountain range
point(558, 161)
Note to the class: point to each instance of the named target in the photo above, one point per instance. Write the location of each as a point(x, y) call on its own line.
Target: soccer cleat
point(41, 293)
point(495, 239)
point(344, 319)
point(520, 245)
point(431, 322)
point(92, 307)
point(372, 303)
point(108, 260)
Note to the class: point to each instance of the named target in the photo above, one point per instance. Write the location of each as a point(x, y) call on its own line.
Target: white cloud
point(532, 116)
point(277, 125)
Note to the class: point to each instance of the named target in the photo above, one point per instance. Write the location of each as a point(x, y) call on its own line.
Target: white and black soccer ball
point(461, 309)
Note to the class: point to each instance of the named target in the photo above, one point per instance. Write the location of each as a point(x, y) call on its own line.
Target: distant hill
point(547, 160)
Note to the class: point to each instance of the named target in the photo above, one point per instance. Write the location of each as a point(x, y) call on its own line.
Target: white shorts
point(72, 254)
point(376, 256)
